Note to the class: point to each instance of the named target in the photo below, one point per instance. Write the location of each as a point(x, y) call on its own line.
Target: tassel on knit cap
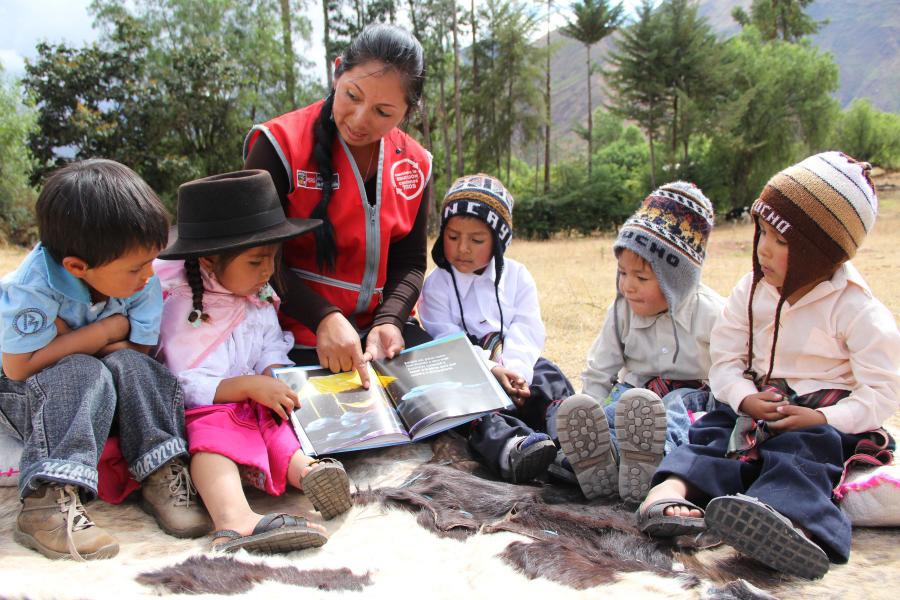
point(823, 206)
point(670, 230)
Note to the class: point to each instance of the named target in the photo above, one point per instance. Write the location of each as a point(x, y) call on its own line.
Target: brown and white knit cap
point(823, 206)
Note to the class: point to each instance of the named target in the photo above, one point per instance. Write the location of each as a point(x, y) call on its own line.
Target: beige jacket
point(836, 336)
point(649, 345)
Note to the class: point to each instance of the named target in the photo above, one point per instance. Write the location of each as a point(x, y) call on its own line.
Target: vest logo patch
point(312, 180)
point(408, 179)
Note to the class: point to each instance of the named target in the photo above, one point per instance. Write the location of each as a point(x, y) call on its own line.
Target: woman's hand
point(338, 347)
point(513, 384)
point(384, 341)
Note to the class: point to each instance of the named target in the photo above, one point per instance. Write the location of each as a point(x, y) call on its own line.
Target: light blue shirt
point(40, 290)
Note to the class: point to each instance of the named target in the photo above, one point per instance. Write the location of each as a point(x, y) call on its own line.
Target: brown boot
point(170, 498)
point(54, 523)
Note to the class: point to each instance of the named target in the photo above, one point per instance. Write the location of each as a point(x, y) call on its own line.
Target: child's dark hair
point(398, 50)
point(97, 210)
point(192, 272)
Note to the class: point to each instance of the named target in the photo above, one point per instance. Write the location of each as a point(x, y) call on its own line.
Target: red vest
point(363, 232)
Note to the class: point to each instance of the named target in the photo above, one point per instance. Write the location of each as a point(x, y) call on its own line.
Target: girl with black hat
point(221, 337)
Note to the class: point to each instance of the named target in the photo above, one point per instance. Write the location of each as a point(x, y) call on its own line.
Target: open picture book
point(420, 392)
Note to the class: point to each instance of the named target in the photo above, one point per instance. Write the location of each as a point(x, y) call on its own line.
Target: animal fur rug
point(428, 522)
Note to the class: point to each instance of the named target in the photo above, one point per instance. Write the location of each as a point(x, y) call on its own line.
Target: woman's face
point(369, 101)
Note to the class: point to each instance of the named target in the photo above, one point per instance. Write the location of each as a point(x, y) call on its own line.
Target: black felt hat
point(228, 212)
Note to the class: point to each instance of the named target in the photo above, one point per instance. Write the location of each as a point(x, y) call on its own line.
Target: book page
point(441, 380)
point(337, 414)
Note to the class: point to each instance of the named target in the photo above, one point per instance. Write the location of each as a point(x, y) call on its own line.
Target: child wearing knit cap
point(805, 365)
point(493, 299)
point(651, 360)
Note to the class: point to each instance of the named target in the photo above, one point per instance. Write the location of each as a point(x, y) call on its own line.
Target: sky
point(23, 23)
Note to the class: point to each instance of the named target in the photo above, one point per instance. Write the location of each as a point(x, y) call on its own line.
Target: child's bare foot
point(672, 489)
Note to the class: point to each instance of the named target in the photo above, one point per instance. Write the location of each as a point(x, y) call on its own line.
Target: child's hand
point(62, 327)
point(798, 417)
point(116, 328)
point(764, 405)
point(275, 394)
point(513, 384)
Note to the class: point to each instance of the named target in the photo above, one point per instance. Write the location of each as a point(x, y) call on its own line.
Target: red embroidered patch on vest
point(312, 180)
point(408, 178)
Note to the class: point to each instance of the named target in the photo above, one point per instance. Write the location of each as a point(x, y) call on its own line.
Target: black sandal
point(275, 533)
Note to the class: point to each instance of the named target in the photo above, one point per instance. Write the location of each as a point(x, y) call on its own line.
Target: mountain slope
point(863, 38)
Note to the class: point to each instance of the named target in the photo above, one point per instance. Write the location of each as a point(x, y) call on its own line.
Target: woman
point(344, 161)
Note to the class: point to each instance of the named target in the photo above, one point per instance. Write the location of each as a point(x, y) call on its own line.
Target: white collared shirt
point(256, 343)
point(523, 329)
point(648, 345)
point(837, 336)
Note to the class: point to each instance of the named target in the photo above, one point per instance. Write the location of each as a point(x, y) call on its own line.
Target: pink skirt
point(247, 433)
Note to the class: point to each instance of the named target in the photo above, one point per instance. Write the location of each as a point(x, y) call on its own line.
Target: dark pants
point(795, 474)
point(489, 435)
point(413, 335)
point(63, 415)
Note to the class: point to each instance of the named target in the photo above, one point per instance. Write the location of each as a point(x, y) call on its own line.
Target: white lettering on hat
point(450, 210)
point(771, 217)
point(492, 219)
point(472, 207)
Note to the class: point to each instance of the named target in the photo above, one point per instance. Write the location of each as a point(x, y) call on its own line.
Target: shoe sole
point(532, 461)
point(278, 541)
point(328, 488)
point(641, 431)
point(30, 542)
point(761, 534)
point(584, 439)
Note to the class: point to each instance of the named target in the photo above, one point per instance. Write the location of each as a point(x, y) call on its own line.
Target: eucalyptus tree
point(594, 20)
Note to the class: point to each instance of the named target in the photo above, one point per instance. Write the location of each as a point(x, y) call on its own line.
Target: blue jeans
point(64, 413)
point(677, 402)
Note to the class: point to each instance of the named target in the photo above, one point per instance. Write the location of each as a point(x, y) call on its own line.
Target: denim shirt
point(40, 290)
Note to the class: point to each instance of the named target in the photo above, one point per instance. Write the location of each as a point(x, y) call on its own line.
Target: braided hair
point(398, 50)
point(192, 271)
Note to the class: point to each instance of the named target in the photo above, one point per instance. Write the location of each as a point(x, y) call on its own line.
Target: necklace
point(372, 154)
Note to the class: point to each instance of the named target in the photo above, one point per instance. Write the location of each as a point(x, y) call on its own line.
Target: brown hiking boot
point(170, 498)
point(54, 523)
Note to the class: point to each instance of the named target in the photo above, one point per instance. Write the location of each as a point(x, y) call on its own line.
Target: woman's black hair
point(397, 49)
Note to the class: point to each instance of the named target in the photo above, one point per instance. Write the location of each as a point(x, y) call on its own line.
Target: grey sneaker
point(641, 431)
point(53, 522)
point(168, 495)
point(584, 439)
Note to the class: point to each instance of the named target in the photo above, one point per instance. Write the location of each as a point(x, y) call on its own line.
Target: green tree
point(17, 120)
point(638, 90)
point(782, 110)
point(509, 98)
point(690, 66)
point(594, 20)
point(170, 88)
point(779, 19)
point(868, 134)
